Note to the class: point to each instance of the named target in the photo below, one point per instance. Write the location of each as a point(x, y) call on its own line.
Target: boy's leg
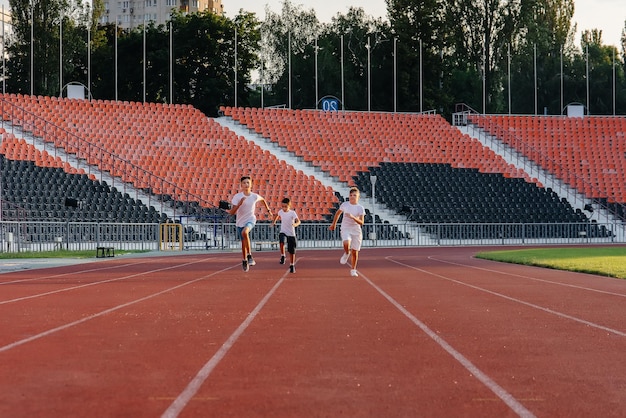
point(245, 242)
point(355, 258)
point(291, 247)
point(245, 238)
point(281, 241)
point(242, 235)
point(355, 245)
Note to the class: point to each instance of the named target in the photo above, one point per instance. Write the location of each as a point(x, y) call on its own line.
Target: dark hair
point(286, 200)
point(244, 178)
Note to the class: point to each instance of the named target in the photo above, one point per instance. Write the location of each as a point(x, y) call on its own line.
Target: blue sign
point(330, 104)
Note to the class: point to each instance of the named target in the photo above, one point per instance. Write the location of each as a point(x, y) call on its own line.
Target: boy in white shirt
point(288, 222)
point(244, 206)
point(351, 228)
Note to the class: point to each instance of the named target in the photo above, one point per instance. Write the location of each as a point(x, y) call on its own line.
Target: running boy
point(288, 222)
point(351, 232)
point(244, 205)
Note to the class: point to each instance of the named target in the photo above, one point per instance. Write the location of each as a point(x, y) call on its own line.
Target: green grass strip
point(604, 261)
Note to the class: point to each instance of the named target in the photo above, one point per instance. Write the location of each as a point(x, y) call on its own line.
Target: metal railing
point(222, 236)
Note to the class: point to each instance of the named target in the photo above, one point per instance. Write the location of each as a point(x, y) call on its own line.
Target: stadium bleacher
point(422, 162)
point(198, 160)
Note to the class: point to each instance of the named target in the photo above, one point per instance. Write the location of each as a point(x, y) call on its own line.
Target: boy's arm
point(269, 211)
point(337, 215)
point(236, 207)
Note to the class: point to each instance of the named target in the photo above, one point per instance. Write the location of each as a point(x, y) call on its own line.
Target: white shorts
point(355, 238)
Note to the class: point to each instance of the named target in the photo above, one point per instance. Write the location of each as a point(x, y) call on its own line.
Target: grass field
point(605, 261)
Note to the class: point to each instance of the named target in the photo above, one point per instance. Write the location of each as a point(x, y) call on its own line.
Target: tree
point(419, 29)
point(479, 35)
point(290, 38)
point(43, 17)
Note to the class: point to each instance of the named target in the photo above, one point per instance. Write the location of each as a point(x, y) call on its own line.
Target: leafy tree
point(480, 33)
point(289, 38)
point(419, 29)
point(43, 17)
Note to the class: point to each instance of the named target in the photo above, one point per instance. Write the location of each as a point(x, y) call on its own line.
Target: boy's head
point(246, 183)
point(286, 204)
point(355, 194)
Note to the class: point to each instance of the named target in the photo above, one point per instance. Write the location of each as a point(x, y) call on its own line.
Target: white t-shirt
point(347, 223)
point(286, 222)
point(246, 212)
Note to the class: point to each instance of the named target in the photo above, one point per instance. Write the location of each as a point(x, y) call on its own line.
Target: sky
point(607, 15)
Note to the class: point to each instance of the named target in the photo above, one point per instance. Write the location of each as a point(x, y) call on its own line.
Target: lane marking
point(66, 289)
point(110, 310)
point(194, 385)
point(522, 302)
point(72, 273)
point(535, 278)
point(498, 390)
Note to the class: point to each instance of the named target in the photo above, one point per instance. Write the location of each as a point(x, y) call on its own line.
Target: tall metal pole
point(484, 80)
point(509, 72)
point(316, 86)
point(562, 90)
point(235, 67)
point(89, 54)
point(61, 55)
point(613, 81)
point(369, 91)
point(32, 46)
point(395, 75)
point(535, 74)
point(116, 59)
point(289, 59)
point(342, 86)
point(171, 65)
point(4, 74)
point(587, 72)
point(144, 57)
point(421, 79)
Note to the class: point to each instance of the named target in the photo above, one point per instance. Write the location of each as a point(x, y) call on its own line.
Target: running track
point(429, 332)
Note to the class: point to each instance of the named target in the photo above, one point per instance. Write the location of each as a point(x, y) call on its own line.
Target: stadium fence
point(219, 236)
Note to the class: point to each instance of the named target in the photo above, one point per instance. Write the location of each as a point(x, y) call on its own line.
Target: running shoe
point(354, 273)
point(245, 265)
point(344, 258)
point(282, 259)
point(292, 269)
point(251, 261)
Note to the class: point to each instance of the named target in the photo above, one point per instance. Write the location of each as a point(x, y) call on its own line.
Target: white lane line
point(108, 311)
point(522, 302)
point(194, 385)
point(68, 274)
point(67, 289)
point(535, 278)
point(499, 391)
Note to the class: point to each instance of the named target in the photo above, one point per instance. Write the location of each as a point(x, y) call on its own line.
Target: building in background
point(133, 13)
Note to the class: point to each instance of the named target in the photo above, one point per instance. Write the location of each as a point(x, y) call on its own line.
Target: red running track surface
point(430, 332)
